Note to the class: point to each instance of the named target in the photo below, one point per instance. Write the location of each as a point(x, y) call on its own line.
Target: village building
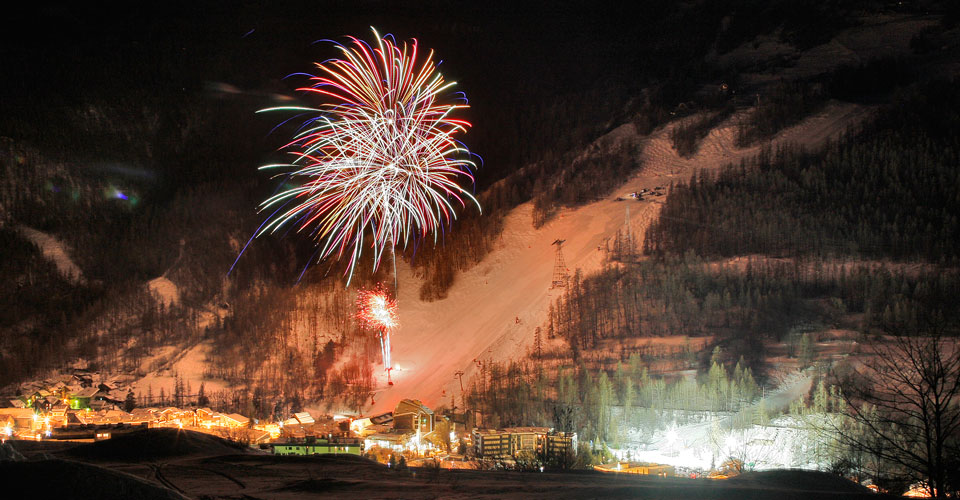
point(560, 444)
point(246, 435)
point(235, 420)
point(377, 424)
point(411, 414)
point(97, 432)
point(359, 426)
point(382, 419)
point(112, 396)
point(83, 398)
point(82, 377)
point(372, 429)
point(75, 417)
point(58, 414)
point(510, 442)
point(273, 429)
point(491, 443)
point(302, 418)
point(141, 415)
point(530, 439)
point(316, 446)
point(396, 440)
point(18, 419)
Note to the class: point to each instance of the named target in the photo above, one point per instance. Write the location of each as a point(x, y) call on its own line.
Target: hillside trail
point(493, 309)
point(56, 252)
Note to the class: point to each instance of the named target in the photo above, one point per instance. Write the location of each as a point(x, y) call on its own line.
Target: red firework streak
point(377, 311)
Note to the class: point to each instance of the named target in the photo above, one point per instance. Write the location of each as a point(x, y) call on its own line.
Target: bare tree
point(905, 399)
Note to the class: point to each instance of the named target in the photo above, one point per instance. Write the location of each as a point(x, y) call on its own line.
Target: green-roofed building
point(336, 446)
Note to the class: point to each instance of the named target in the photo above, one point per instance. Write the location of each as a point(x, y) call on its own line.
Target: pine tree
point(717, 356)
point(296, 404)
point(628, 395)
point(538, 344)
point(619, 377)
point(178, 391)
point(717, 384)
point(202, 399)
point(604, 400)
point(130, 402)
point(806, 350)
point(636, 365)
point(762, 417)
point(821, 398)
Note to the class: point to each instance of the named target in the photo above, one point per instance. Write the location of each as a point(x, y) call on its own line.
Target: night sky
point(510, 58)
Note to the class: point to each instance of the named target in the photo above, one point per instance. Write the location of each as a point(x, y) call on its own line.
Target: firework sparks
point(379, 158)
point(377, 311)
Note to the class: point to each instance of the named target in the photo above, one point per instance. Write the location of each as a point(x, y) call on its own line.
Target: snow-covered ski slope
point(478, 321)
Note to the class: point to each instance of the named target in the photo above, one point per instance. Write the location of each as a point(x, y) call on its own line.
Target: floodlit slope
point(492, 310)
point(54, 250)
point(706, 443)
point(164, 290)
point(188, 361)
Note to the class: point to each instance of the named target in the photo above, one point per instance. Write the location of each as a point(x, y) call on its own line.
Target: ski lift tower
point(560, 274)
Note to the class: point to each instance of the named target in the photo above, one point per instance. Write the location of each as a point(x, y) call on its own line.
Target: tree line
point(601, 405)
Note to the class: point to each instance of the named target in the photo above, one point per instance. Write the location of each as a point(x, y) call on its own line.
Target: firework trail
point(378, 159)
point(377, 311)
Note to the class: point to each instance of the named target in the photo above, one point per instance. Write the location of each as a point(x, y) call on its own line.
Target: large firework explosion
point(378, 158)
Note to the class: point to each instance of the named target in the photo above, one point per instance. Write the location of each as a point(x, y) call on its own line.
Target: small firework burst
point(376, 310)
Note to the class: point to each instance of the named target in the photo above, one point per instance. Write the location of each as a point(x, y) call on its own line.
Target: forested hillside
point(857, 235)
point(887, 190)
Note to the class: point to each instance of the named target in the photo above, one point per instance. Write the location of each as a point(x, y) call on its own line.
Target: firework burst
point(377, 311)
point(378, 159)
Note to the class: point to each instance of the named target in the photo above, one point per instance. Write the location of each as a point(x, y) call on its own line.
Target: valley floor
point(254, 475)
